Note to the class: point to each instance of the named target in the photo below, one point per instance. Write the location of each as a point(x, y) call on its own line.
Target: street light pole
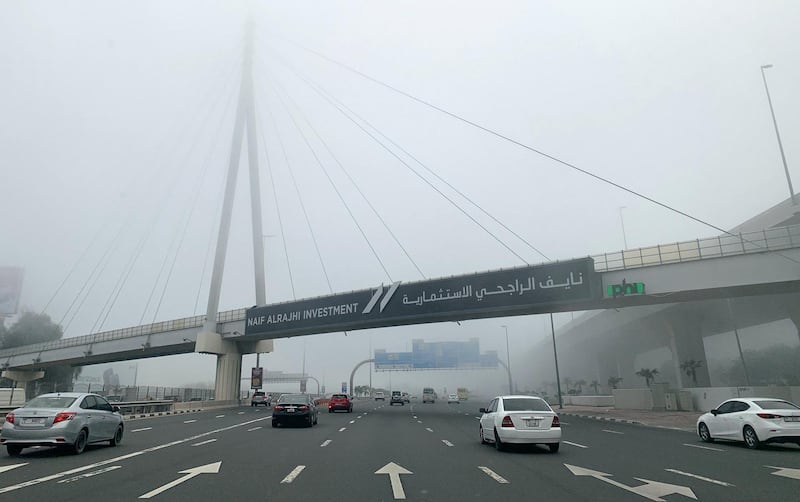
point(555, 355)
point(508, 360)
point(777, 133)
point(622, 222)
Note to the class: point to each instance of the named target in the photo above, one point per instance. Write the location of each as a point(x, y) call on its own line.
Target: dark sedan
point(294, 409)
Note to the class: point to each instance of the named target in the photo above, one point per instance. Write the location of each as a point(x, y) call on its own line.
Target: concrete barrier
point(589, 400)
point(633, 399)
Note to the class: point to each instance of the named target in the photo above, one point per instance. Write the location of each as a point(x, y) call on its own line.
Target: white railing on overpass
point(770, 239)
point(145, 329)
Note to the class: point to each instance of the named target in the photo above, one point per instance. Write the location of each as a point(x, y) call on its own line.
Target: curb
point(603, 419)
point(158, 414)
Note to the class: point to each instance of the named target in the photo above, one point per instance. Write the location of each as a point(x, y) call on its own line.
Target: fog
point(116, 131)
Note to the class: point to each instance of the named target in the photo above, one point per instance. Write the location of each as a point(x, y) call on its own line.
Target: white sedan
point(754, 420)
point(520, 419)
point(453, 398)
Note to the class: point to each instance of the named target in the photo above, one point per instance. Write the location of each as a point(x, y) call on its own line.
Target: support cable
point(335, 188)
point(353, 181)
point(531, 148)
point(321, 90)
point(419, 175)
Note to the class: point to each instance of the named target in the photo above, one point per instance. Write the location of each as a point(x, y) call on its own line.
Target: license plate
point(532, 423)
point(33, 421)
point(791, 419)
point(290, 410)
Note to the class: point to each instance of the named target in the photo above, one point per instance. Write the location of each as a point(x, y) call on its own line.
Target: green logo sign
point(625, 289)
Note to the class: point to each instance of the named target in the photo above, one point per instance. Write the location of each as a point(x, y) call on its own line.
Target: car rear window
point(777, 405)
point(258, 394)
point(338, 396)
point(293, 398)
point(50, 402)
point(524, 404)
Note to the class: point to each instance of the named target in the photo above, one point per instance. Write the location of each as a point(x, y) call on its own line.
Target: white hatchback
point(520, 419)
point(754, 420)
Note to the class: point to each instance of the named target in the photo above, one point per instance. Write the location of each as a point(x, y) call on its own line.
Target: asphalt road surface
point(422, 452)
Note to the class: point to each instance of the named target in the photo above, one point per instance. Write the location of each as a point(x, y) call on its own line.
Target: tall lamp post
point(777, 133)
point(508, 360)
point(622, 223)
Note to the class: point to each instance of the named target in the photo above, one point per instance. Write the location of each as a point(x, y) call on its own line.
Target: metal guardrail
point(770, 239)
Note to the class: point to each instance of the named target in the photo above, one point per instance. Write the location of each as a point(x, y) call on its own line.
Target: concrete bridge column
point(686, 343)
point(229, 364)
point(794, 315)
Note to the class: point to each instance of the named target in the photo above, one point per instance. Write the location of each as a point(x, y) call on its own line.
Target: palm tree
point(648, 374)
point(567, 383)
point(579, 384)
point(595, 385)
point(690, 367)
point(614, 381)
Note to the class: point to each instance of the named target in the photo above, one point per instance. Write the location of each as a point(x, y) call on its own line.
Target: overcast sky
point(116, 132)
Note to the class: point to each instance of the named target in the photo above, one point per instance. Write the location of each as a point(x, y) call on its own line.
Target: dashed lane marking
point(142, 429)
point(574, 444)
point(189, 421)
point(500, 479)
point(326, 443)
point(253, 429)
point(90, 474)
point(613, 432)
point(343, 429)
point(201, 443)
point(419, 421)
point(352, 421)
point(295, 472)
point(701, 447)
point(428, 429)
point(241, 413)
point(721, 483)
point(219, 416)
point(448, 443)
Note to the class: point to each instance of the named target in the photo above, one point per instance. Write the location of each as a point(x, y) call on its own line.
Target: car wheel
point(274, 424)
point(704, 433)
point(316, 419)
point(554, 447)
point(80, 442)
point(750, 438)
point(13, 450)
point(483, 439)
point(330, 410)
point(498, 445)
point(117, 439)
point(252, 404)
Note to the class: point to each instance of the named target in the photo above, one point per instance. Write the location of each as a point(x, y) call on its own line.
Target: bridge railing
point(770, 239)
point(145, 329)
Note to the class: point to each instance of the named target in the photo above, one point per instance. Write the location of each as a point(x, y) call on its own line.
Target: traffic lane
point(679, 457)
point(127, 474)
point(46, 461)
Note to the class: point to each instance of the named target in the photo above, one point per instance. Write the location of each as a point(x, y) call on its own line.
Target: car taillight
point(277, 408)
point(555, 423)
point(64, 416)
point(303, 408)
point(769, 415)
point(10, 418)
point(507, 422)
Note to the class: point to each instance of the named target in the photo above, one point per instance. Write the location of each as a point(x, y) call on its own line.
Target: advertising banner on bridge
point(10, 289)
point(256, 378)
point(513, 291)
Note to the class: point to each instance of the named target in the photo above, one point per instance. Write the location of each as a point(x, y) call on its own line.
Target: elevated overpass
point(749, 264)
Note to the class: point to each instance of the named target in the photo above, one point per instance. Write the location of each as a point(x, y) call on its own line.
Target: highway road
point(420, 452)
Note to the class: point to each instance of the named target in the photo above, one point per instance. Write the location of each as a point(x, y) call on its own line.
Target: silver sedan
point(70, 420)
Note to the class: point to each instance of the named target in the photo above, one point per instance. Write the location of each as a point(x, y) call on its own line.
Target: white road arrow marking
point(9, 467)
point(190, 473)
point(394, 471)
point(786, 472)
point(651, 490)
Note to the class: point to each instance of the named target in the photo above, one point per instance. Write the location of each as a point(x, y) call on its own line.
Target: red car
point(340, 402)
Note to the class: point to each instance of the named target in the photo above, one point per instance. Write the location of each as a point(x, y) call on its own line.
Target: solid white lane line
point(295, 472)
point(722, 483)
point(500, 479)
point(254, 429)
point(142, 429)
point(702, 447)
point(574, 444)
point(189, 421)
point(343, 429)
point(201, 443)
point(352, 421)
point(9, 467)
point(326, 443)
point(448, 443)
point(82, 468)
point(612, 432)
point(219, 416)
point(90, 474)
